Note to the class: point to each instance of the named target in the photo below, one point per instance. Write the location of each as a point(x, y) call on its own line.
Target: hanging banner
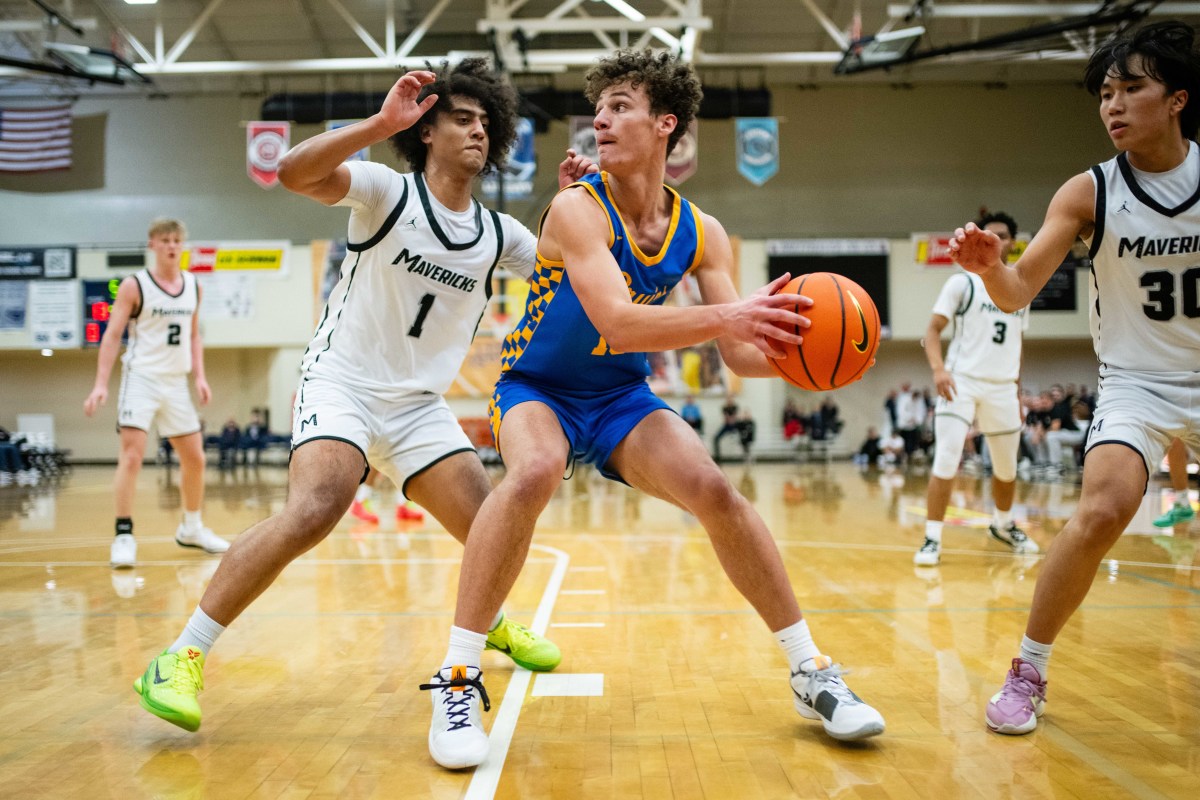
point(582, 137)
point(357, 155)
point(684, 160)
point(519, 168)
point(757, 148)
point(266, 144)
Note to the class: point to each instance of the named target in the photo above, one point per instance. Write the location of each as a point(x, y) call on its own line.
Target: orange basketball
point(839, 347)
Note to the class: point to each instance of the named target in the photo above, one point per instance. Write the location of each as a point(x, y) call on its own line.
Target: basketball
point(839, 347)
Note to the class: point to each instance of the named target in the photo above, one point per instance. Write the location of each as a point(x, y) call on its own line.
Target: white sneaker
point(1015, 538)
point(202, 538)
point(822, 694)
point(124, 551)
point(456, 736)
point(929, 554)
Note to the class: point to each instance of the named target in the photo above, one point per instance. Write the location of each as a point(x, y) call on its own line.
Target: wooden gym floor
point(670, 686)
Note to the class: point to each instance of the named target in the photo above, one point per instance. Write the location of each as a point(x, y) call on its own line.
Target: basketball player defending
point(1138, 214)
point(393, 335)
point(573, 388)
point(978, 380)
point(159, 305)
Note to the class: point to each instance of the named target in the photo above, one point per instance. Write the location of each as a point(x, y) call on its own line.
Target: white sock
point(466, 648)
point(1002, 519)
point(933, 530)
point(797, 644)
point(201, 632)
point(496, 620)
point(364, 493)
point(1037, 654)
point(191, 521)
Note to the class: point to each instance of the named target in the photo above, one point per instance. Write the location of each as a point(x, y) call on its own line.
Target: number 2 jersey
point(986, 344)
point(160, 334)
point(556, 345)
point(1145, 250)
point(413, 287)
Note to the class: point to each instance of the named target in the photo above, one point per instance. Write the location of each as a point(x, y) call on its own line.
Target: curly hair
point(671, 84)
point(1002, 218)
point(473, 78)
point(1167, 54)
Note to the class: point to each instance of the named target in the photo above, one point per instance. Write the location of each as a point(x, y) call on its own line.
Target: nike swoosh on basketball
point(864, 343)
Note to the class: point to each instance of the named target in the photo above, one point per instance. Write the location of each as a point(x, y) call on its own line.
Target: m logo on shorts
point(310, 421)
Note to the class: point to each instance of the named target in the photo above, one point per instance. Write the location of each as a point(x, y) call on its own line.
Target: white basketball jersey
point(413, 287)
point(1145, 290)
point(160, 336)
point(986, 344)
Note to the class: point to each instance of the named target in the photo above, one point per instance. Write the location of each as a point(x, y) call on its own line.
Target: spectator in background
point(893, 449)
point(1064, 430)
point(228, 442)
point(255, 438)
point(1086, 397)
point(729, 424)
point(871, 449)
point(910, 417)
point(889, 408)
point(691, 414)
point(793, 420)
point(746, 430)
point(830, 420)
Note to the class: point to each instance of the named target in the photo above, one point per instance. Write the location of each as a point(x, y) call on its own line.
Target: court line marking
point(315, 562)
point(487, 775)
point(577, 625)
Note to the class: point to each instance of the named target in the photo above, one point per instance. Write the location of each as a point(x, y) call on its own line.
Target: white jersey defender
point(1145, 250)
point(986, 344)
point(413, 287)
point(160, 332)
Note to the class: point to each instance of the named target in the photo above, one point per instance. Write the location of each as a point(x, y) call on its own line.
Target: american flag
point(35, 139)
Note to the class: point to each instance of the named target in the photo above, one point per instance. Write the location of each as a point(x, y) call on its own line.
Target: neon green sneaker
point(1175, 514)
point(170, 685)
point(526, 648)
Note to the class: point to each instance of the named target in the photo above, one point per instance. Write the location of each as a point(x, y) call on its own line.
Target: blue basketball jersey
point(555, 344)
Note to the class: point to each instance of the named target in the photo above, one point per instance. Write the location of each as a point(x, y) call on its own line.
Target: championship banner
point(684, 160)
point(519, 168)
point(266, 144)
point(270, 256)
point(757, 141)
point(358, 155)
point(582, 137)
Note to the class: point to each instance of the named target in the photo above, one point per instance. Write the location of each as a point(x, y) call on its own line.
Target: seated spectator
point(729, 424)
point(228, 442)
point(746, 430)
point(691, 414)
point(793, 420)
point(893, 450)
point(829, 417)
point(254, 438)
point(871, 449)
point(1065, 430)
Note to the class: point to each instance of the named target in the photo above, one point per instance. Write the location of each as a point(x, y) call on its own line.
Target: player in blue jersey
point(573, 388)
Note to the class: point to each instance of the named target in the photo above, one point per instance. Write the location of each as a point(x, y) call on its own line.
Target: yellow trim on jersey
point(633, 246)
point(696, 216)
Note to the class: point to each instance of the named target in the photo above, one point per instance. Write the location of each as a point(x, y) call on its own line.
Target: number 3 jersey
point(1145, 250)
point(986, 344)
point(160, 333)
point(413, 287)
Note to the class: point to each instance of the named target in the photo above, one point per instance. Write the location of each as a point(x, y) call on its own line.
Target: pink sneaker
point(1015, 708)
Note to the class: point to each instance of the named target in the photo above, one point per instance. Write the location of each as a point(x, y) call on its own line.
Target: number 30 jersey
point(986, 344)
point(160, 333)
point(1145, 250)
point(412, 289)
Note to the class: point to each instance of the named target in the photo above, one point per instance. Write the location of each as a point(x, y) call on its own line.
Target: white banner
point(54, 314)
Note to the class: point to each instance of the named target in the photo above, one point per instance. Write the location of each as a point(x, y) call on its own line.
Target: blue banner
point(519, 169)
point(757, 148)
point(358, 155)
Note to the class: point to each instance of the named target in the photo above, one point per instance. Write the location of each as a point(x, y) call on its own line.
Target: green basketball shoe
point(170, 685)
point(1175, 515)
point(526, 648)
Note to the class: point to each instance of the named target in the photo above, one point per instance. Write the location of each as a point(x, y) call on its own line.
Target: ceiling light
point(141, 2)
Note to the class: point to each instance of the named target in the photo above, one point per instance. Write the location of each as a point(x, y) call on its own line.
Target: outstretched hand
point(975, 249)
point(400, 108)
point(767, 318)
point(574, 167)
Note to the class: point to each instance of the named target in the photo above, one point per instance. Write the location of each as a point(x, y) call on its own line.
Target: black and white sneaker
point(457, 739)
point(1015, 538)
point(820, 693)
point(929, 554)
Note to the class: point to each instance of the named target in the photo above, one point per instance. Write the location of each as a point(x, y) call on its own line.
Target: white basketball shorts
point(163, 399)
point(1146, 411)
point(400, 437)
point(994, 406)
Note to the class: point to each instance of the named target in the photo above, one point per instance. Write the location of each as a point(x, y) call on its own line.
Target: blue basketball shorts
point(594, 423)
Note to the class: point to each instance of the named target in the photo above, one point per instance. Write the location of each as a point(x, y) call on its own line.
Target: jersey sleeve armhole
point(1101, 203)
point(698, 217)
point(385, 228)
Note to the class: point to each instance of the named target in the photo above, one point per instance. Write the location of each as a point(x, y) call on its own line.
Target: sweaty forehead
point(460, 104)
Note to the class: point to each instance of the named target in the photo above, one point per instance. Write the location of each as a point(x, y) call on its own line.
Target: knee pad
point(1004, 455)
point(950, 433)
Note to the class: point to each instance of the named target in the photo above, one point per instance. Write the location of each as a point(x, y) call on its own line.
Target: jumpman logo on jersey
point(1124, 207)
point(411, 225)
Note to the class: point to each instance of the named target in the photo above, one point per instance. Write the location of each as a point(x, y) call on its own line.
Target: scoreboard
point(98, 299)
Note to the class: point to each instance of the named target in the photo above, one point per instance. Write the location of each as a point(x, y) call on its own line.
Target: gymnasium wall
point(855, 161)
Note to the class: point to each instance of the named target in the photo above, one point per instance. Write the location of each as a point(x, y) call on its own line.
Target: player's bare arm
point(577, 232)
point(1070, 216)
point(714, 276)
point(933, 354)
point(197, 345)
point(315, 168)
point(123, 308)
